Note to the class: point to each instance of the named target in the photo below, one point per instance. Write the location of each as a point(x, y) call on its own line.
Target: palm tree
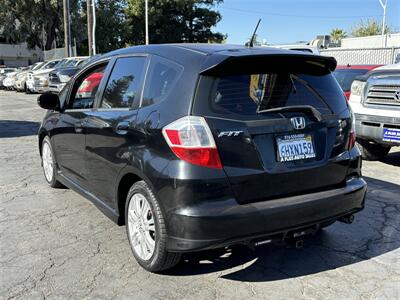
point(338, 34)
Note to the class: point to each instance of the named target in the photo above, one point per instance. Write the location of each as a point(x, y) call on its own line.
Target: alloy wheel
point(47, 159)
point(141, 227)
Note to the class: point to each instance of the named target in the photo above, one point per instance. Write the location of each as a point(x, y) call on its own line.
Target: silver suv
point(375, 100)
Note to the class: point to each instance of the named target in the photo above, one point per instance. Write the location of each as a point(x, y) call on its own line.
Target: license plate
point(391, 135)
point(295, 147)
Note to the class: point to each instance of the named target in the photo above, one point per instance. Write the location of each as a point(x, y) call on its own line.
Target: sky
point(289, 21)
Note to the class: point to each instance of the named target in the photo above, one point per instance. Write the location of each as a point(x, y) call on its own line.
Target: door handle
point(122, 127)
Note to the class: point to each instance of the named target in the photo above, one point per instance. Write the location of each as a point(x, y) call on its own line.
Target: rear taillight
point(191, 140)
point(352, 135)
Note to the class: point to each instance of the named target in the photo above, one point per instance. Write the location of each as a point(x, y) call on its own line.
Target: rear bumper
point(36, 88)
point(371, 127)
point(222, 223)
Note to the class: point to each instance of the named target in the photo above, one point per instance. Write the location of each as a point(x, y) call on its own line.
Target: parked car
point(59, 77)
point(9, 81)
point(200, 146)
point(3, 75)
point(375, 100)
point(38, 80)
point(69, 62)
point(345, 75)
point(22, 77)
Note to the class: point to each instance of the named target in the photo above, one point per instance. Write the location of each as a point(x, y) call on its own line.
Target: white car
point(299, 47)
point(3, 75)
point(375, 101)
point(9, 81)
point(38, 81)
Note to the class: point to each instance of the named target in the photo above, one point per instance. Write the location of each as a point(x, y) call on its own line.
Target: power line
point(295, 16)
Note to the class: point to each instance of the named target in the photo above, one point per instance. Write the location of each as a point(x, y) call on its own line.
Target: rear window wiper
point(311, 89)
point(308, 109)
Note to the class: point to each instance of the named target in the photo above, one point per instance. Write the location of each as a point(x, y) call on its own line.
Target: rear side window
point(161, 78)
point(124, 83)
point(241, 96)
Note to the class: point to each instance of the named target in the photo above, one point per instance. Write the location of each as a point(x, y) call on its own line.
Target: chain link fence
point(57, 53)
point(363, 55)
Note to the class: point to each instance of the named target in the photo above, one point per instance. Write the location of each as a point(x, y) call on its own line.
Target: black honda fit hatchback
point(200, 146)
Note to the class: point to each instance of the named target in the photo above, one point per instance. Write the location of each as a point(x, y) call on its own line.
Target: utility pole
point(146, 18)
point(91, 23)
point(384, 5)
point(94, 26)
point(67, 29)
point(89, 12)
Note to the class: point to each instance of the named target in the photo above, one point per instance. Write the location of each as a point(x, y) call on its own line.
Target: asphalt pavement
point(55, 244)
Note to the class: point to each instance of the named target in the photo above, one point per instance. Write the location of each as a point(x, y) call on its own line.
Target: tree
point(111, 30)
point(368, 27)
point(172, 21)
point(37, 22)
point(338, 34)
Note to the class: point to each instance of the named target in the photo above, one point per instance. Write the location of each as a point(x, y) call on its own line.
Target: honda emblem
point(298, 122)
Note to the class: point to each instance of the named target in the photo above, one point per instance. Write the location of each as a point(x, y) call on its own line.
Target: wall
point(57, 53)
point(374, 41)
point(18, 55)
point(363, 55)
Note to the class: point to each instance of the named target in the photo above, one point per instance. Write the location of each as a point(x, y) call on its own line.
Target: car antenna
point(253, 37)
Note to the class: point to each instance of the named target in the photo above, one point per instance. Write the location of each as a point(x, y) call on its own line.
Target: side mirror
point(49, 101)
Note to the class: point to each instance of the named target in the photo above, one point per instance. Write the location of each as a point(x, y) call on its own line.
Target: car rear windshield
point(346, 77)
point(249, 96)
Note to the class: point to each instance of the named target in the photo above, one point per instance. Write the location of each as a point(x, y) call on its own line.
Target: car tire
point(154, 258)
point(49, 164)
point(372, 151)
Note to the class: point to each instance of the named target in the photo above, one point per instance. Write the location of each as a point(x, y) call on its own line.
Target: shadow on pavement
point(375, 231)
point(393, 159)
point(12, 128)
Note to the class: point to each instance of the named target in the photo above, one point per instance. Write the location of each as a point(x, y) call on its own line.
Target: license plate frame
point(391, 135)
point(295, 147)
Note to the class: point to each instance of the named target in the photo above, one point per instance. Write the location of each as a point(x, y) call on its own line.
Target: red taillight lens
point(352, 140)
point(207, 157)
point(191, 140)
point(352, 135)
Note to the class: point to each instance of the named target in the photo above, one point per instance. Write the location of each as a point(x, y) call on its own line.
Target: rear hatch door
point(279, 131)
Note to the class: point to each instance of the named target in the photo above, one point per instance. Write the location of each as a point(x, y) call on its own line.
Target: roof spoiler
point(276, 63)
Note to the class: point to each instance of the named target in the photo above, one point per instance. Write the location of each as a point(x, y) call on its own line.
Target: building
point(18, 55)
point(373, 41)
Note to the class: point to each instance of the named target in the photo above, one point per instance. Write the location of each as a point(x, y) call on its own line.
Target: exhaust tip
point(299, 244)
point(347, 219)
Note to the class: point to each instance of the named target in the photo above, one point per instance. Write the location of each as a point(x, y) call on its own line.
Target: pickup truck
point(375, 101)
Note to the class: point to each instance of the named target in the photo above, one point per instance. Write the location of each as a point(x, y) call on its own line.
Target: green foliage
point(28, 20)
point(118, 22)
point(111, 30)
point(338, 34)
point(174, 21)
point(368, 27)
point(256, 41)
point(110, 25)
